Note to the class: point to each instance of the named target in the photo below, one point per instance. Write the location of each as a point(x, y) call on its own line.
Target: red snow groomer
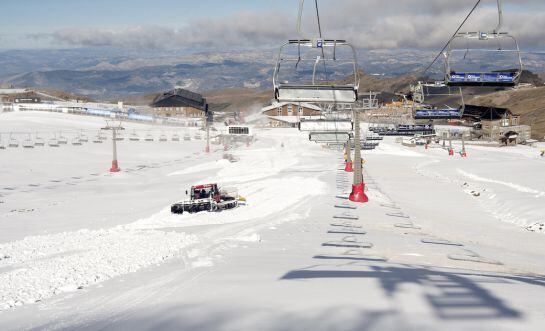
point(207, 198)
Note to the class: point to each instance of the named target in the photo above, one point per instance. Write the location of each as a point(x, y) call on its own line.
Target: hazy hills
point(111, 74)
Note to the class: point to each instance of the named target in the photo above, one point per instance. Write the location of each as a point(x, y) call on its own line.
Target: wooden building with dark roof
point(180, 103)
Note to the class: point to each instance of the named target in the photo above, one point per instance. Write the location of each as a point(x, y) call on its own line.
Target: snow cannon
point(115, 167)
point(349, 167)
point(463, 154)
point(451, 152)
point(426, 146)
point(358, 193)
point(207, 149)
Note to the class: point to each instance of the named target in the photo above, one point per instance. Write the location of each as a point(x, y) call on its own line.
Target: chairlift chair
point(28, 143)
point(119, 137)
point(163, 138)
point(322, 84)
point(76, 141)
point(83, 138)
point(62, 140)
point(495, 77)
point(423, 110)
point(175, 137)
point(187, 137)
point(149, 137)
point(134, 136)
point(13, 143)
point(38, 141)
point(53, 142)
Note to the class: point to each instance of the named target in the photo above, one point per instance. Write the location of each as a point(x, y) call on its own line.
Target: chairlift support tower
point(110, 126)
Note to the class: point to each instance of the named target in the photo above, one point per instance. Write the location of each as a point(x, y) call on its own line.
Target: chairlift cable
point(320, 35)
point(453, 36)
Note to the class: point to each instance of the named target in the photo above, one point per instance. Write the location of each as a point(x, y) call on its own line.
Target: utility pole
point(114, 129)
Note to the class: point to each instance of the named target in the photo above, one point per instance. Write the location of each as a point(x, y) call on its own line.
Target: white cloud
point(372, 24)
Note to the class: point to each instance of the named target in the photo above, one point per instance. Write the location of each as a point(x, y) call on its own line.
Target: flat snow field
point(445, 243)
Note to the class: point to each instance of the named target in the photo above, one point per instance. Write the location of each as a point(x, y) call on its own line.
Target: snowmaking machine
point(210, 198)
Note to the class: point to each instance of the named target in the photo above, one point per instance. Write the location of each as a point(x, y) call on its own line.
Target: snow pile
point(42, 266)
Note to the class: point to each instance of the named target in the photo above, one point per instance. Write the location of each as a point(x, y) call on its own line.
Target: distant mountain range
point(111, 74)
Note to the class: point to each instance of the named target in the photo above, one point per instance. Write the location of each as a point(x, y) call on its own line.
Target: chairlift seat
point(430, 114)
point(28, 144)
point(13, 143)
point(499, 79)
point(53, 143)
point(329, 137)
point(316, 93)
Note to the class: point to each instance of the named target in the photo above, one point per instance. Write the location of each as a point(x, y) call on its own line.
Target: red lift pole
point(358, 188)
point(114, 129)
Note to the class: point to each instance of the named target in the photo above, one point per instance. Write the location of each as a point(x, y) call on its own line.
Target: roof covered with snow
point(180, 98)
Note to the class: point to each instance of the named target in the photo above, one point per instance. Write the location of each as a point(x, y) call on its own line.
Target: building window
point(301, 111)
point(279, 111)
point(290, 110)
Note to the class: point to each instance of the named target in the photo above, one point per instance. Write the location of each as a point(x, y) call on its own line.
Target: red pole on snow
point(358, 188)
point(464, 154)
point(115, 164)
point(450, 150)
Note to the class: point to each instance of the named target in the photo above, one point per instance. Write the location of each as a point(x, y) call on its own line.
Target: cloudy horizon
point(170, 24)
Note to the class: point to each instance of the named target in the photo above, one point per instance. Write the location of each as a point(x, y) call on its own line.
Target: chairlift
point(175, 137)
point(134, 136)
point(102, 136)
point(326, 125)
point(315, 66)
point(38, 141)
point(28, 143)
point(97, 140)
point(13, 143)
point(187, 137)
point(149, 137)
point(198, 136)
point(76, 141)
point(329, 137)
point(62, 140)
point(119, 137)
point(423, 95)
point(163, 138)
point(83, 138)
point(464, 66)
point(53, 142)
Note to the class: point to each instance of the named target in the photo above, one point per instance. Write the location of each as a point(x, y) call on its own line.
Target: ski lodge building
point(180, 103)
point(289, 114)
point(497, 124)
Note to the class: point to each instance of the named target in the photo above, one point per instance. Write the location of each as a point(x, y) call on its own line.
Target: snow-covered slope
point(445, 242)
